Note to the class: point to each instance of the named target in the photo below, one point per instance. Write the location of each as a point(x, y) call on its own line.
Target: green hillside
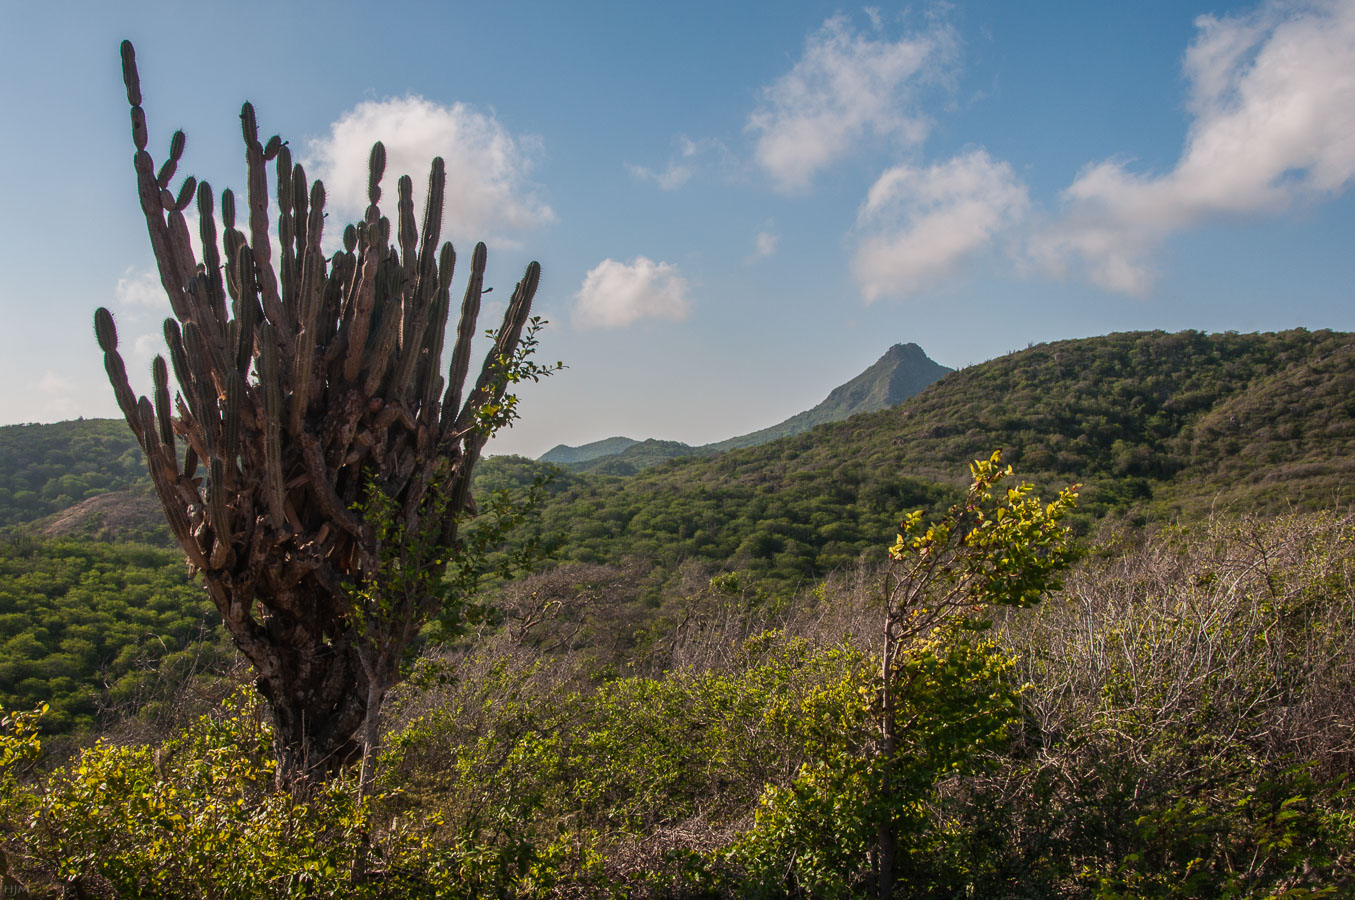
point(47, 468)
point(644, 726)
point(1153, 425)
point(85, 626)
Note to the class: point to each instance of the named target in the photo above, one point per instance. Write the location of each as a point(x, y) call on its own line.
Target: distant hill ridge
point(1155, 426)
point(902, 372)
point(563, 454)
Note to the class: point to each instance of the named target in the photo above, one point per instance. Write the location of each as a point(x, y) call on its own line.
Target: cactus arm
point(358, 315)
point(427, 301)
point(310, 330)
point(260, 243)
point(470, 311)
point(272, 423)
point(160, 375)
point(488, 387)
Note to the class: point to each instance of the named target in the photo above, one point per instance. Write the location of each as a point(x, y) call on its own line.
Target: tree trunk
point(317, 718)
point(313, 680)
point(371, 734)
point(887, 849)
point(888, 745)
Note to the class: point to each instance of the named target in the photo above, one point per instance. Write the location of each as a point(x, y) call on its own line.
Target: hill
point(1155, 425)
point(563, 454)
point(903, 371)
point(47, 468)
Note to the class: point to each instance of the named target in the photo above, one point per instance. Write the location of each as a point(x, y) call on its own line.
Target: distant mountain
point(902, 372)
point(640, 455)
point(563, 454)
point(1155, 426)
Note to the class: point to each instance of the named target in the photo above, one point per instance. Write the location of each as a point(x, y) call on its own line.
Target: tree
point(936, 699)
point(307, 389)
point(998, 547)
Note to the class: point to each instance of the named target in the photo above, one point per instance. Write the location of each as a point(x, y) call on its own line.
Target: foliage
point(47, 468)
point(1188, 725)
point(1271, 835)
point(86, 626)
point(197, 817)
point(818, 836)
point(1154, 425)
point(1174, 722)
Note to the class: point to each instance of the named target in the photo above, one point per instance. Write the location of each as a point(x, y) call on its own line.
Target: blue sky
point(735, 208)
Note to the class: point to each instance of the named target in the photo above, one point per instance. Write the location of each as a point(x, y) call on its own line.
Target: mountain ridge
point(901, 372)
point(1156, 426)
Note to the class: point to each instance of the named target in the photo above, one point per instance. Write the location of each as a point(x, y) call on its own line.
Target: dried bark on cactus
point(303, 379)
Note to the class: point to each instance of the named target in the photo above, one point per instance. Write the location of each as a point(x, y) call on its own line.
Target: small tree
point(938, 696)
point(307, 389)
point(999, 547)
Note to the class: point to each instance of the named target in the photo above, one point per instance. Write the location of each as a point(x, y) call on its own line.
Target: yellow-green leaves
point(1000, 547)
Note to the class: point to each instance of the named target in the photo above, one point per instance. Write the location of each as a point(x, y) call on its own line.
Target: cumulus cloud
point(917, 226)
point(62, 397)
point(488, 194)
point(846, 86)
point(1272, 99)
point(615, 294)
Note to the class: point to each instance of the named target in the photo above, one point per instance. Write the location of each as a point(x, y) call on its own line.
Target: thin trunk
point(884, 829)
point(371, 735)
point(884, 836)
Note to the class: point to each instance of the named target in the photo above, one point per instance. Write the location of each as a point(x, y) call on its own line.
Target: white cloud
point(918, 225)
point(765, 244)
point(141, 289)
point(61, 397)
point(1273, 105)
point(488, 195)
point(846, 87)
point(684, 162)
point(615, 294)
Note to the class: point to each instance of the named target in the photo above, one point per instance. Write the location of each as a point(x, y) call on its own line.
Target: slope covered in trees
point(86, 626)
point(47, 468)
point(1155, 425)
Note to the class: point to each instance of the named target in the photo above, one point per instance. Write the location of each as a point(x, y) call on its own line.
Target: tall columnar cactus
point(304, 380)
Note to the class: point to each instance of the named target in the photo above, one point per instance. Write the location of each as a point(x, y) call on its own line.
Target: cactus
point(302, 380)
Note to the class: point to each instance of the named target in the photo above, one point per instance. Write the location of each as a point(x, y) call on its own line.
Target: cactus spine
point(302, 380)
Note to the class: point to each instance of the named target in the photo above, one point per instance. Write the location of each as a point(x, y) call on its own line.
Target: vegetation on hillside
point(92, 628)
point(1173, 723)
point(47, 468)
point(1156, 426)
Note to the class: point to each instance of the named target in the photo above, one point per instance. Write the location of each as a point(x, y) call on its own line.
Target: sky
point(736, 207)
